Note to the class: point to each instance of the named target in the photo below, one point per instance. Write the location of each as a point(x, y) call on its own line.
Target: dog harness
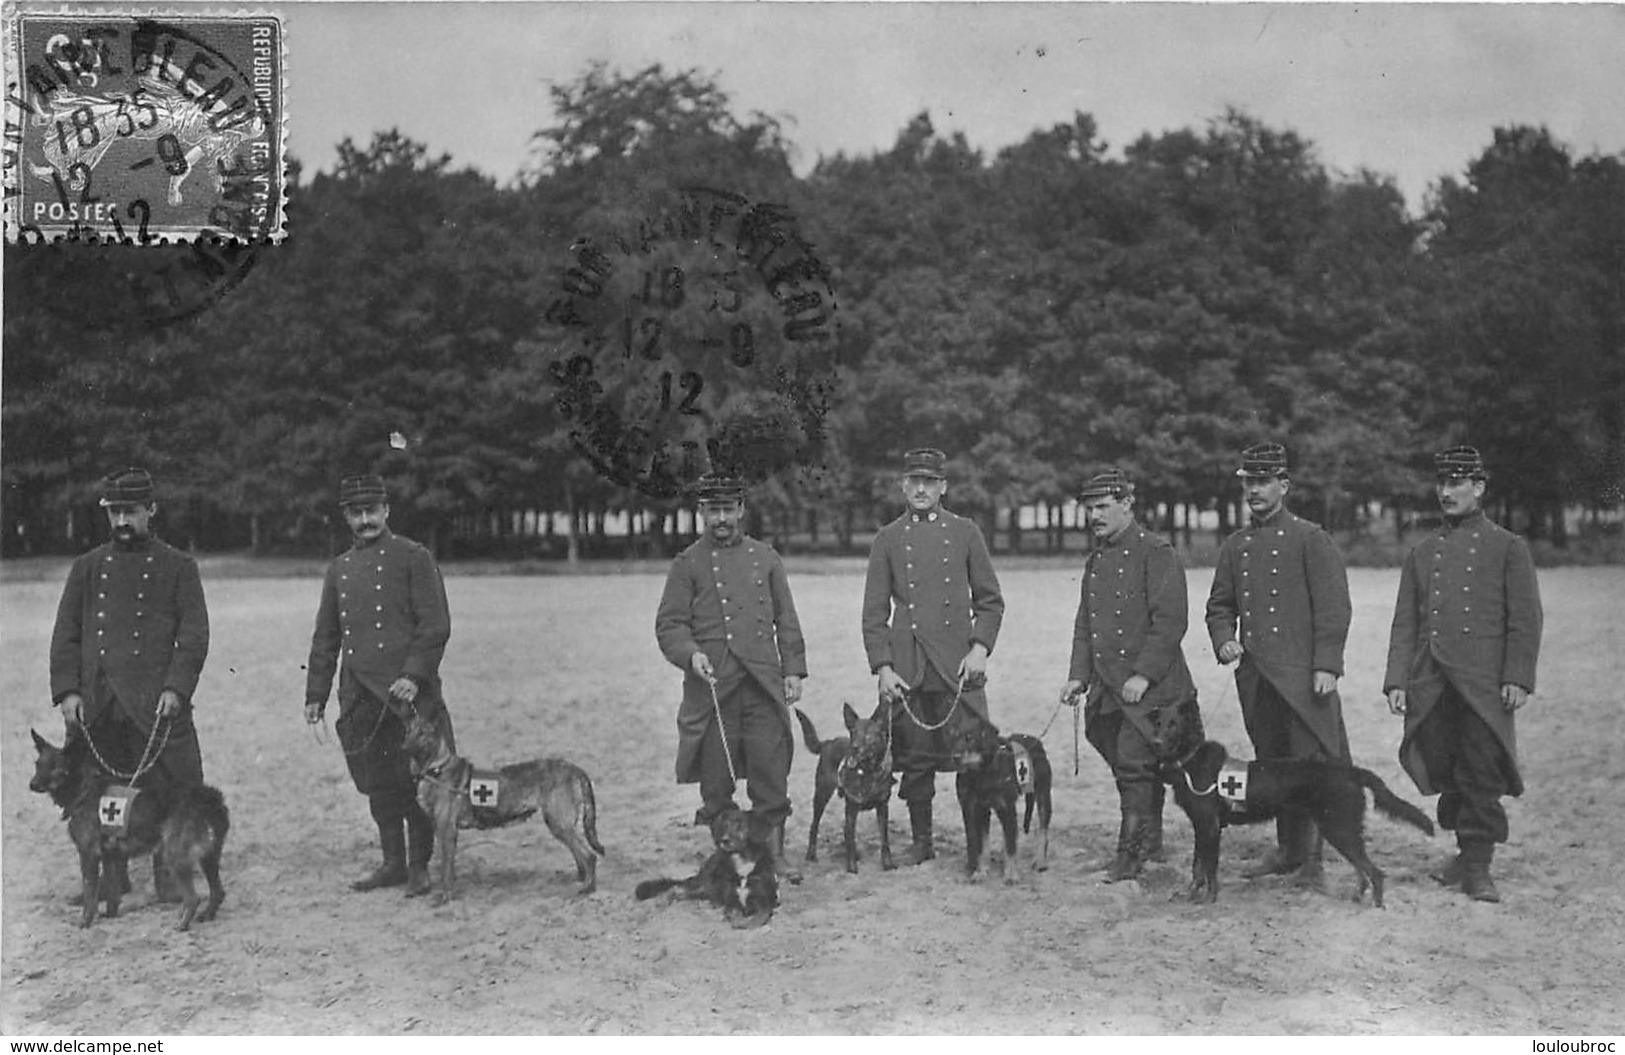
point(1024, 766)
point(483, 789)
point(114, 809)
point(862, 785)
point(485, 795)
point(1232, 785)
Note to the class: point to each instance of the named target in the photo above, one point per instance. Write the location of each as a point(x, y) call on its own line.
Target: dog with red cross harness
point(994, 772)
point(455, 794)
point(1216, 791)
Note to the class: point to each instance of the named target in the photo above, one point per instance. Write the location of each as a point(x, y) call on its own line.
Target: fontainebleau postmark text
point(705, 339)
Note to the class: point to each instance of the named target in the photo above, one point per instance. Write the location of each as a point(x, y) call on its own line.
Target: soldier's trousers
point(920, 754)
point(1464, 759)
point(122, 744)
point(1132, 759)
point(1275, 729)
point(762, 749)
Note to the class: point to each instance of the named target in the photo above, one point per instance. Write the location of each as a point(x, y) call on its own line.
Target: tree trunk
point(1015, 529)
point(572, 541)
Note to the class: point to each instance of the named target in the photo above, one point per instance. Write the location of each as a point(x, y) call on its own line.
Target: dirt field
point(568, 665)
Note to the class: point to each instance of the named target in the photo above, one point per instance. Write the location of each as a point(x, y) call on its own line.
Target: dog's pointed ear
point(40, 743)
point(849, 715)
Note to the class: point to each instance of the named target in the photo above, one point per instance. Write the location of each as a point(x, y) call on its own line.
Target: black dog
point(859, 767)
point(738, 877)
point(1332, 793)
point(993, 772)
point(187, 825)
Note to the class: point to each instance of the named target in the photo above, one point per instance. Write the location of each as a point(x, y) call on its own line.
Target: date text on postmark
point(704, 340)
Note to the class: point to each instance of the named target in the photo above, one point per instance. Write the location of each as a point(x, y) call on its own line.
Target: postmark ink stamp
point(139, 128)
point(705, 339)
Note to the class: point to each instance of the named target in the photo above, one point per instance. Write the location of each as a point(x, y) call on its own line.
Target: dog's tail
point(212, 805)
point(808, 734)
point(651, 887)
point(587, 814)
point(1392, 804)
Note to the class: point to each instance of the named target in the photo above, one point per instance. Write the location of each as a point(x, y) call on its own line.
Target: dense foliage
point(1037, 313)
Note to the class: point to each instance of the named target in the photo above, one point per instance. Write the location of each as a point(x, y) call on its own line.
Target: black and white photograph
point(796, 519)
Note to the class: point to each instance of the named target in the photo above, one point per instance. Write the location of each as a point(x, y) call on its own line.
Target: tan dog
point(560, 789)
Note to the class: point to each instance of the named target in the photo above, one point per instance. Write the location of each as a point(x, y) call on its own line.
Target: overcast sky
point(1411, 91)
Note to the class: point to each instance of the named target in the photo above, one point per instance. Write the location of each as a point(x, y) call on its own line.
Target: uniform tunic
point(383, 614)
point(1284, 582)
point(132, 622)
point(1132, 616)
point(732, 602)
point(930, 594)
point(1468, 616)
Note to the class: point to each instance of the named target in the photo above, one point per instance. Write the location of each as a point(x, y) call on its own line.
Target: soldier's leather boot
point(781, 864)
point(1287, 856)
point(1475, 879)
point(1151, 846)
point(392, 872)
point(919, 822)
point(1130, 840)
point(419, 849)
point(1450, 873)
point(1312, 873)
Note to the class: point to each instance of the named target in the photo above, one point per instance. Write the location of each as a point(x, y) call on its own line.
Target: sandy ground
point(568, 666)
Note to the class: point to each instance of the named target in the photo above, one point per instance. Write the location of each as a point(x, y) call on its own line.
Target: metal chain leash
point(149, 756)
point(922, 723)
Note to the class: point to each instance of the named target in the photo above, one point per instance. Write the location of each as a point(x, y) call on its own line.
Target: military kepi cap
point(1263, 459)
point(130, 486)
point(1458, 463)
point(926, 461)
point(715, 487)
point(1113, 483)
point(363, 490)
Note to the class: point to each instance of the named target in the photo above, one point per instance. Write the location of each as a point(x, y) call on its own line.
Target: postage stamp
point(704, 340)
point(143, 128)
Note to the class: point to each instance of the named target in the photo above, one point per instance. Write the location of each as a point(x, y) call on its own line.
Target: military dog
point(186, 825)
point(859, 767)
point(737, 877)
point(560, 789)
point(993, 772)
point(1216, 793)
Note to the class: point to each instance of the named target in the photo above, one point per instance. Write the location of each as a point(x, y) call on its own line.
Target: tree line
point(1038, 312)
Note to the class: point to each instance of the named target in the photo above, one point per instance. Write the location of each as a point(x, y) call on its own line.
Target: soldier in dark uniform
point(1283, 580)
point(1461, 661)
point(728, 621)
point(383, 608)
point(1126, 656)
point(131, 635)
point(931, 614)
